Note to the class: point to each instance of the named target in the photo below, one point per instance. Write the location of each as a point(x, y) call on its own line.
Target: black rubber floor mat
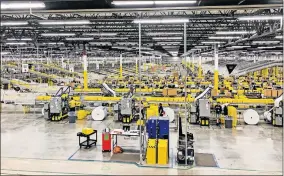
point(129, 157)
point(205, 160)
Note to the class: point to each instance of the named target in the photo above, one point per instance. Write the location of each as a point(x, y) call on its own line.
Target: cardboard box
point(172, 92)
point(267, 93)
point(214, 92)
point(279, 93)
point(274, 93)
point(165, 92)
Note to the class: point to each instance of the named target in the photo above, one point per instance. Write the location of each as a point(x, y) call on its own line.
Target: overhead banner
point(231, 67)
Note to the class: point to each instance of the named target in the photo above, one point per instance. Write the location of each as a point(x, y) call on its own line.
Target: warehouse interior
point(156, 87)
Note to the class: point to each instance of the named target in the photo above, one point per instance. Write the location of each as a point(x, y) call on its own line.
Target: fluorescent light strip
point(125, 3)
point(18, 43)
point(260, 18)
point(212, 42)
point(121, 3)
point(57, 34)
point(266, 41)
point(14, 23)
point(240, 47)
point(224, 37)
point(22, 5)
point(54, 43)
point(166, 20)
point(279, 37)
point(167, 38)
point(87, 38)
point(5, 53)
point(58, 22)
point(234, 32)
point(101, 34)
point(23, 39)
point(163, 33)
point(99, 43)
point(266, 47)
point(168, 42)
point(113, 38)
point(174, 2)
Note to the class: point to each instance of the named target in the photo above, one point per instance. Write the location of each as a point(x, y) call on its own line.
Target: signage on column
point(231, 67)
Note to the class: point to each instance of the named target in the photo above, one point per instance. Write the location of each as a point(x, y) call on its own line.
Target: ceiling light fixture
point(54, 43)
point(224, 37)
point(14, 23)
point(17, 43)
point(166, 20)
point(167, 38)
point(163, 33)
point(23, 39)
point(234, 32)
point(124, 3)
point(260, 18)
point(82, 39)
point(22, 5)
point(57, 34)
point(58, 22)
point(266, 47)
point(121, 3)
point(212, 42)
point(240, 46)
point(113, 38)
point(279, 37)
point(174, 2)
point(101, 34)
point(266, 41)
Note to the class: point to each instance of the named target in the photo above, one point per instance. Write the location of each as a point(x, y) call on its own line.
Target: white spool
point(99, 113)
point(170, 113)
point(251, 117)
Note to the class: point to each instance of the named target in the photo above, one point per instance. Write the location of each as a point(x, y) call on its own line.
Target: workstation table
point(88, 143)
point(134, 137)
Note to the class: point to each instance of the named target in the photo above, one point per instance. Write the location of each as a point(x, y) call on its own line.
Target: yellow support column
point(136, 66)
point(265, 73)
point(120, 68)
point(85, 73)
point(216, 71)
point(199, 68)
point(276, 72)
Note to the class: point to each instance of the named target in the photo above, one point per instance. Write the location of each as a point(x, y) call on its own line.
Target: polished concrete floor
point(31, 145)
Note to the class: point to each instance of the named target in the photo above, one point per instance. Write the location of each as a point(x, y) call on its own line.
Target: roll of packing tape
point(251, 117)
point(99, 113)
point(170, 113)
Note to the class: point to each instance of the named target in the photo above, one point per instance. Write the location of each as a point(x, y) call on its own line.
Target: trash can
point(228, 122)
point(72, 117)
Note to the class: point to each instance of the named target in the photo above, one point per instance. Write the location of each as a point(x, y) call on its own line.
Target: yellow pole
point(216, 72)
point(199, 68)
point(136, 66)
point(120, 68)
point(85, 73)
point(276, 72)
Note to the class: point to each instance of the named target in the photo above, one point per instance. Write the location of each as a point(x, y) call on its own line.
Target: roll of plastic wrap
point(99, 113)
point(267, 115)
point(170, 113)
point(251, 117)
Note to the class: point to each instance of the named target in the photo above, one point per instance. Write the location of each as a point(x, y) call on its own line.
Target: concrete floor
point(31, 145)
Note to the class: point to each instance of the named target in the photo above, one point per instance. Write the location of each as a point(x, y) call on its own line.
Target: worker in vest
point(72, 105)
point(218, 109)
point(161, 110)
